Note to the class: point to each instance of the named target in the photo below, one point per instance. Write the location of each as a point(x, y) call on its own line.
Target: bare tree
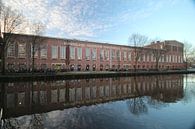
point(188, 53)
point(36, 41)
point(137, 41)
point(10, 20)
point(157, 52)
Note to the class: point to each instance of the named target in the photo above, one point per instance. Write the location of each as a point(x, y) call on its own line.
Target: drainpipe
point(67, 56)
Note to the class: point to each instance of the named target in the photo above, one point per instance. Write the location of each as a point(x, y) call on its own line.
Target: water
point(144, 102)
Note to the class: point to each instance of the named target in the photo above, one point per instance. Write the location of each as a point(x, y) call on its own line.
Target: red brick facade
point(85, 55)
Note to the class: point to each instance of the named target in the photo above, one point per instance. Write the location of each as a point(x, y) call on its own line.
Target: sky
point(112, 21)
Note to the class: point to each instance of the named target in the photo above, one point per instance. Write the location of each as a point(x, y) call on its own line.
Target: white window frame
point(129, 56)
point(79, 53)
point(72, 52)
point(54, 48)
point(101, 54)
point(62, 52)
point(87, 53)
point(94, 54)
point(43, 51)
point(106, 54)
point(11, 50)
point(20, 55)
point(125, 55)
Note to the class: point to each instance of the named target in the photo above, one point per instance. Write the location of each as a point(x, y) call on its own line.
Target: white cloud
point(69, 17)
point(77, 18)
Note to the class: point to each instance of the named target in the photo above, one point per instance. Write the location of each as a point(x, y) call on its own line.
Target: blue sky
point(112, 21)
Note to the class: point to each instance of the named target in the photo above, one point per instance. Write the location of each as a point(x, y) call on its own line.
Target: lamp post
point(67, 55)
point(2, 57)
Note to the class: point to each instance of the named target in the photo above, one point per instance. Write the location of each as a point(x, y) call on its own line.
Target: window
point(144, 58)
point(181, 59)
point(174, 48)
point(10, 100)
point(106, 54)
point(43, 66)
point(35, 51)
point(148, 58)
point(101, 54)
point(168, 48)
point(140, 58)
point(43, 97)
point(63, 52)
point(22, 66)
point(72, 52)
point(162, 58)
point(54, 51)
point(152, 58)
point(10, 66)
point(125, 56)
point(118, 54)
point(129, 56)
point(11, 50)
point(178, 59)
point(94, 54)
point(44, 51)
point(113, 54)
point(79, 53)
point(87, 53)
point(180, 49)
point(22, 50)
point(167, 59)
point(175, 59)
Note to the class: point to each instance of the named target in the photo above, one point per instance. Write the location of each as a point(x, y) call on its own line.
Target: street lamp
point(1, 50)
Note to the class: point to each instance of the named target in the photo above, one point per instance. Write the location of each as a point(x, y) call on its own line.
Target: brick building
point(77, 55)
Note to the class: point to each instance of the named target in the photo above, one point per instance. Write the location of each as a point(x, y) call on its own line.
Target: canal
point(141, 102)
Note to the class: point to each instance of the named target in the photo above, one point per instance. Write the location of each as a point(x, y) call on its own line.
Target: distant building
point(77, 55)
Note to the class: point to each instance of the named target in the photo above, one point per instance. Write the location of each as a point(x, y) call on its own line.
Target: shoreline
point(84, 75)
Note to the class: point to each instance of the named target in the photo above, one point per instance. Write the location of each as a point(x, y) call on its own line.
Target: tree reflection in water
point(11, 124)
point(36, 121)
point(156, 98)
point(137, 105)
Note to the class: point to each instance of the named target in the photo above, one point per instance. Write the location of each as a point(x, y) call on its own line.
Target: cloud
point(84, 18)
point(70, 17)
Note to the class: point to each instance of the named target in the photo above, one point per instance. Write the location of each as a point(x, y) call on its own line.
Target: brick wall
point(172, 49)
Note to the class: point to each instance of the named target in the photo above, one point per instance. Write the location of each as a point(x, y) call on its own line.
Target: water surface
point(144, 102)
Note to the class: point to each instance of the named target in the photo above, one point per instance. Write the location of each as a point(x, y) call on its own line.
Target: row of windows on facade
point(173, 48)
point(116, 55)
point(43, 49)
point(89, 54)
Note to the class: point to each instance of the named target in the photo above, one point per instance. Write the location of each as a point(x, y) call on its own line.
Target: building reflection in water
point(22, 98)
